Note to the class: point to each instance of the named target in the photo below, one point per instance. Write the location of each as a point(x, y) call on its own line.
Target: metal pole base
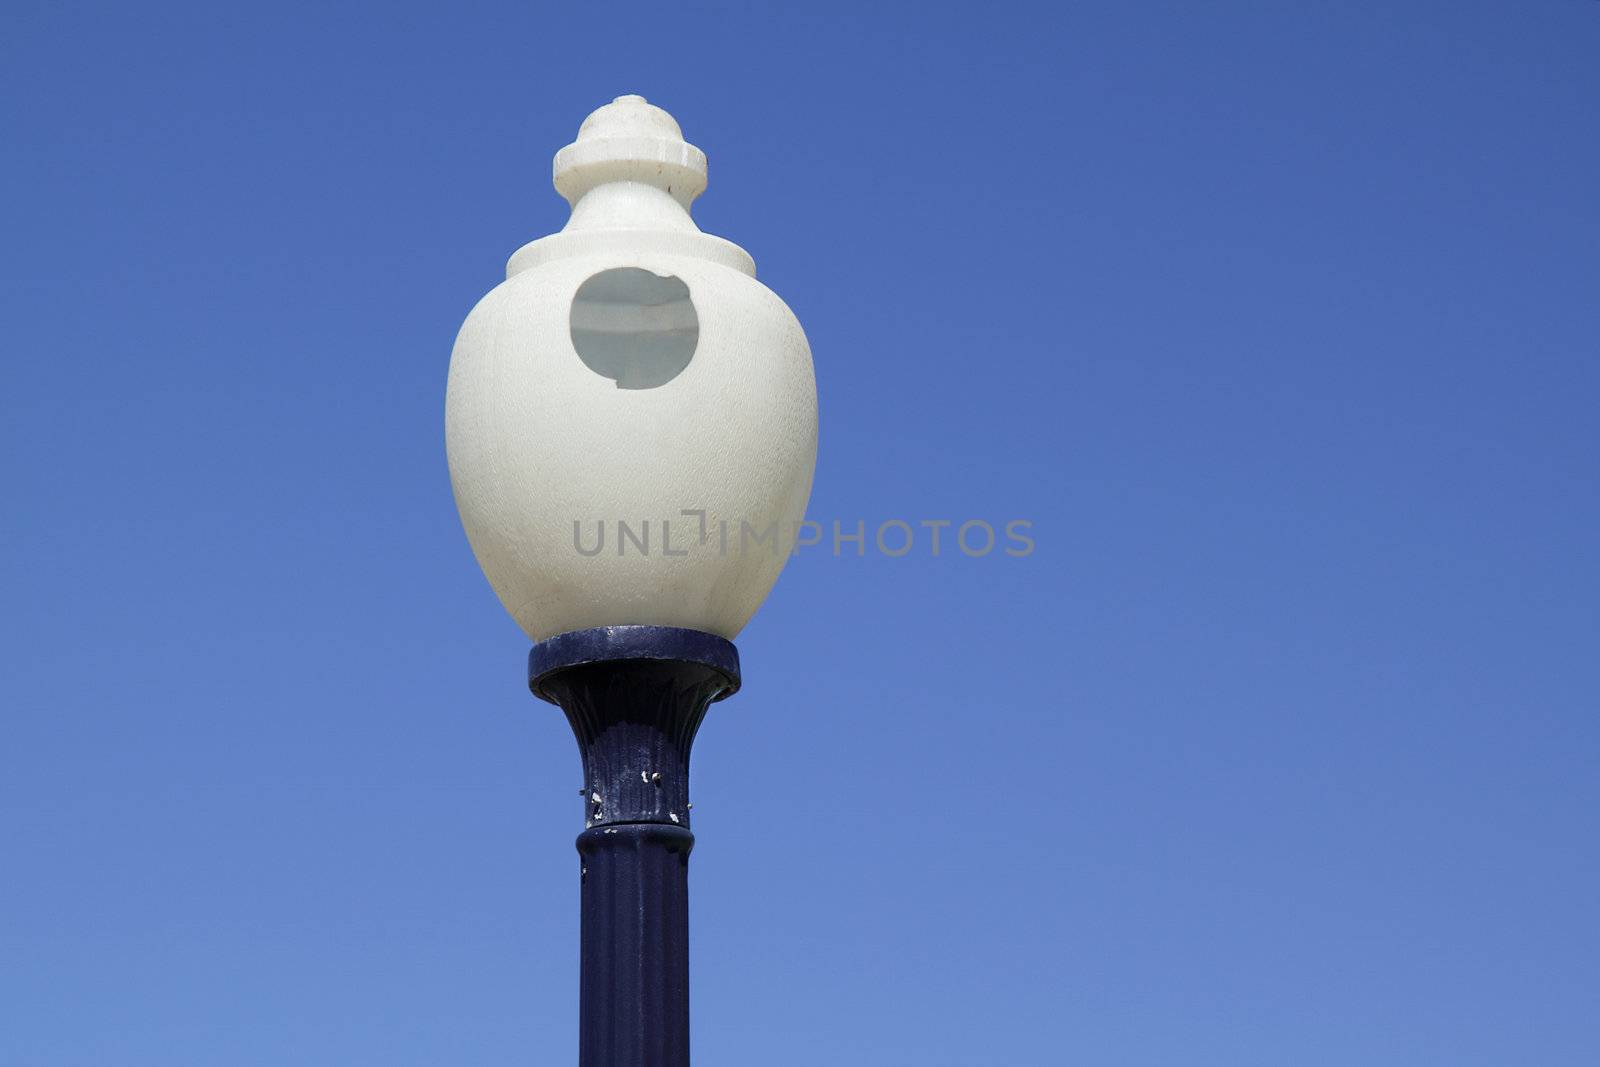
point(634, 696)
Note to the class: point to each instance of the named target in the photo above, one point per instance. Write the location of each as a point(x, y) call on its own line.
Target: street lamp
point(632, 427)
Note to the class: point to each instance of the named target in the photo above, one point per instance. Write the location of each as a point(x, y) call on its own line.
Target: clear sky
point(1277, 321)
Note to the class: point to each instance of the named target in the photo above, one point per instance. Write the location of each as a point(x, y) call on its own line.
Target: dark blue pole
point(634, 696)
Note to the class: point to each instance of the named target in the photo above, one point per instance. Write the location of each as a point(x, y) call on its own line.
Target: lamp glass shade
point(631, 418)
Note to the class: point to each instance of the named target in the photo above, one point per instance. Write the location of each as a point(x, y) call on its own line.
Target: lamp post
point(631, 426)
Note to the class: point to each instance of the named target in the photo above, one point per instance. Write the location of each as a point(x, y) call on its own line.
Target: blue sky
point(1278, 322)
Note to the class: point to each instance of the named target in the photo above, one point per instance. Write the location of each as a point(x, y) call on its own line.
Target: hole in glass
point(635, 327)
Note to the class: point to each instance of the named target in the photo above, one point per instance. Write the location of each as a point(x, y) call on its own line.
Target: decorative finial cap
point(630, 139)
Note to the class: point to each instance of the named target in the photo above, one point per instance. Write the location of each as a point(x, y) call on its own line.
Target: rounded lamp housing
point(631, 420)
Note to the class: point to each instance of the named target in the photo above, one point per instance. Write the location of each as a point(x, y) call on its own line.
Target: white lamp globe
point(631, 420)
